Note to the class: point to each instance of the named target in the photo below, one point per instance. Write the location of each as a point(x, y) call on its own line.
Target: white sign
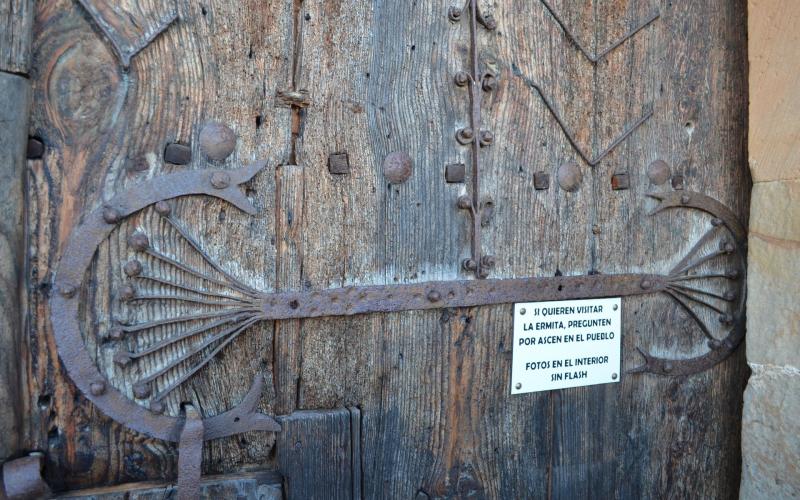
point(568, 343)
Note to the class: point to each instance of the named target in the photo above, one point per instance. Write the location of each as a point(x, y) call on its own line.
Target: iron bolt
point(132, 268)
point(646, 284)
point(454, 13)
point(434, 296)
point(116, 333)
point(465, 136)
point(714, 344)
point(122, 358)
point(220, 180)
point(111, 215)
point(487, 138)
point(141, 390)
point(157, 407)
point(685, 199)
point(127, 292)
point(728, 247)
point(97, 388)
point(139, 242)
point(163, 208)
point(67, 290)
point(461, 78)
point(488, 261)
point(489, 82)
point(464, 202)
point(469, 265)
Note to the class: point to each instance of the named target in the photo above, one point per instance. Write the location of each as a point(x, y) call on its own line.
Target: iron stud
point(157, 407)
point(685, 199)
point(465, 136)
point(127, 292)
point(434, 296)
point(464, 202)
point(139, 242)
point(454, 13)
point(461, 78)
point(220, 180)
point(141, 390)
point(646, 284)
point(111, 215)
point(122, 358)
point(116, 333)
point(97, 388)
point(488, 261)
point(487, 138)
point(132, 268)
point(163, 208)
point(469, 265)
point(217, 141)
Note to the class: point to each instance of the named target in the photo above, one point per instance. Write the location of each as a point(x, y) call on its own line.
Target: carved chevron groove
point(125, 52)
point(585, 156)
point(600, 55)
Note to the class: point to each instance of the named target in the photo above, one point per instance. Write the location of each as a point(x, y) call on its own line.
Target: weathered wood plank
point(15, 95)
point(16, 22)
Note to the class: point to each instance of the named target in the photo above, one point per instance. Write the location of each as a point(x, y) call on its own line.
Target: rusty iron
point(177, 154)
point(78, 254)
point(541, 181)
point(217, 141)
point(595, 58)
point(190, 455)
point(339, 163)
point(620, 181)
point(397, 167)
point(569, 176)
point(455, 173)
point(658, 172)
point(473, 135)
point(22, 478)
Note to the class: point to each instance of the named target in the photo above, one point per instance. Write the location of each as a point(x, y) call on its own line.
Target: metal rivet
point(434, 296)
point(177, 154)
point(518, 386)
point(646, 284)
point(489, 82)
point(97, 388)
point(141, 390)
point(488, 261)
point(658, 172)
point(677, 182)
point(339, 163)
point(455, 173)
point(614, 376)
point(615, 307)
point(464, 202)
point(454, 13)
point(716, 222)
point(126, 292)
point(217, 141)
point(714, 344)
point(668, 366)
point(620, 182)
point(294, 304)
point(522, 311)
point(397, 167)
point(469, 265)
point(461, 78)
point(35, 148)
point(465, 136)
point(569, 176)
point(111, 215)
point(122, 358)
point(132, 268)
point(157, 407)
point(67, 290)
point(728, 247)
point(685, 199)
point(541, 181)
point(116, 333)
point(163, 208)
point(487, 138)
point(139, 241)
point(220, 180)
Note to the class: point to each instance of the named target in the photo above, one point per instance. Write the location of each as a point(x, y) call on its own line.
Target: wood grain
point(432, 388)
point(16, 22)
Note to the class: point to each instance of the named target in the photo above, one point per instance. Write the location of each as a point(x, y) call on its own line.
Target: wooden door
point(432, 150)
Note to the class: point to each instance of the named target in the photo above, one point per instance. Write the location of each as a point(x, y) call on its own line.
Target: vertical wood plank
point(16, 22)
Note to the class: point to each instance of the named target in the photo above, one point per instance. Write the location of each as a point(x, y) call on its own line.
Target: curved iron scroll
point(233, 310)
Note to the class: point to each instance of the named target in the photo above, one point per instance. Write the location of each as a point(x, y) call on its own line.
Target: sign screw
point(615, 307)
point(614, 376)
point(518, 386)
point(522, 311)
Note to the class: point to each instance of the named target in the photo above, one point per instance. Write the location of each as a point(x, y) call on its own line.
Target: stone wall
point(771, 422)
